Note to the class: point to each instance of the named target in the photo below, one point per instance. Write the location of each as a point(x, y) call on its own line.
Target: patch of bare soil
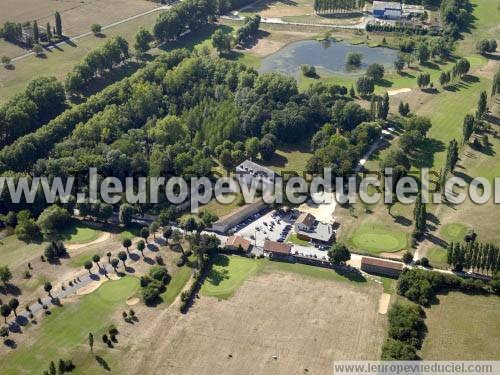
point(275, 324)
point(383, 303)
point(267, 46)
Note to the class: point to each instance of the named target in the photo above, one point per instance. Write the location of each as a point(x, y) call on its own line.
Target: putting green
point(378, 239)
point(64, 333)
point(454, 232)
point(227, 274)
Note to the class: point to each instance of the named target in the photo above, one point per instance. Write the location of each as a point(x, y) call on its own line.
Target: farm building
point(387, 10)
point(238, 243)
point(277, 250)
point(241, 214)
point(381, 266)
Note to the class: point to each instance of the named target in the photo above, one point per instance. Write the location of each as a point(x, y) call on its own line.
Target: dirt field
point(306, 323)
point(77, 15)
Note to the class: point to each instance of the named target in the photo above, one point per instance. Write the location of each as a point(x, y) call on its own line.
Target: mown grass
point(179, 279)
point(376, 238)
point(457, 332)
point(64, 333)
point(229, 272)
point(14, 251)
point(79, 233)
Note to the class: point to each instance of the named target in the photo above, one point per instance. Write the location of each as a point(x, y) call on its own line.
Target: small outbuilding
point(277, 250)
point(381, 266)
point(238, 244)
point(387, 10)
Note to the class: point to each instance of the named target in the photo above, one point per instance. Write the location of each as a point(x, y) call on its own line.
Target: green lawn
point(80, 233)
point(64, 333)
point(290, 158)
point(229, 272)
point(14, 251)
point(447, 111)
point(376, 238)
point(454, 232)
point(438, 257)
point(296, 240)
point(178, 281)
point(463, 327)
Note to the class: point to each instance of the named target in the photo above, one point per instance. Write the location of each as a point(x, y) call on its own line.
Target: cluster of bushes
point(405, 29)
point(456, 15)
point(112, 332)
point(54, 251)
point(62, 367)
point(248, 30)
point(406, 332)
point(421, 286)
point(154, 284)
point(309, 70)
point(187, 15)
point(113, 52)
point(204, 264)
point(43, 99)
point(486, 46)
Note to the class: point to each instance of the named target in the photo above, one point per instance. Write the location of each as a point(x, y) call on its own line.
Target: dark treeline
point(184, 16)
point(337, 6)
point(474, 256)
point(406, 332)
point(422, 286)
point(112, 53)
point(456, 16)
point(248, 30)
point(25, 151)
point(43, 99)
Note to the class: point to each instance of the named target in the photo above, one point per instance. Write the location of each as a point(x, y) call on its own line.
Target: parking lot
point(269, 226)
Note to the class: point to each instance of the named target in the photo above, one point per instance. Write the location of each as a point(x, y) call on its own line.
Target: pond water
point(328, 56)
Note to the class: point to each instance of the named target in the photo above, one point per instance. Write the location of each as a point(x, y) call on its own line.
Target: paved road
point(279, 21)
point(75, 38)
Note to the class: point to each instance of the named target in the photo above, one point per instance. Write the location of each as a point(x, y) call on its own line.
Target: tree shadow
point(352, 274)
point(10, 343)
point(423, 156)
point(11, 289)
point(401, 220)
point(22, 320)
point(148, 260)
point(152, 247)
point(129, 269)
point(102, 362)
point(134, 257)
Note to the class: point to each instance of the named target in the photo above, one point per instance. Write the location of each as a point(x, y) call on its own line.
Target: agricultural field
point(301, 11)
point(252, 326)
point(456, 333)
point(76, 15)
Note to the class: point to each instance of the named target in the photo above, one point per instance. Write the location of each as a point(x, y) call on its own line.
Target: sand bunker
point(94, 285)
point(399, 91)
point(383, 303)
point(133, 301)
point(103, 237)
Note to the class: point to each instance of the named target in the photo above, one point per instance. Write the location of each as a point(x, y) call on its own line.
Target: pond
point(328, 55)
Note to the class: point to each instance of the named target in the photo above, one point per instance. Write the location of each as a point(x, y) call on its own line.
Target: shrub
point(309, 70)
